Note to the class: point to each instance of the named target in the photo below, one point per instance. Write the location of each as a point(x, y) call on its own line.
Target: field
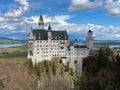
point(18, 53)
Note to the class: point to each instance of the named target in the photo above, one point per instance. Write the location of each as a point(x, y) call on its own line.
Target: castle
point(47, 44)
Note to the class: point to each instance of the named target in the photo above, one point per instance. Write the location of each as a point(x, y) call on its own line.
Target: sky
point(75, 16)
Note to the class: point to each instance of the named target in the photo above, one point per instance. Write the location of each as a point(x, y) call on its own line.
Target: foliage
point(102, 61)
point(60, 61)
point(37, 70)
point(66, 67)
point(54, 69)
point(118, 59)
point(46, 65)
point(101, 72)
point(17, 48)
point(13, 56)
point(29, 63)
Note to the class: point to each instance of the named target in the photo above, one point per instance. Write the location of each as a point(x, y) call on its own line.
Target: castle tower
point(49, 32)
point(41, 22)
point(89, 40)
point(75, 42)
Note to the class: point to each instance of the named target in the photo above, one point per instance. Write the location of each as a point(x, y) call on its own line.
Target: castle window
point(56, 38)
point(75, 61)
point(37, 52)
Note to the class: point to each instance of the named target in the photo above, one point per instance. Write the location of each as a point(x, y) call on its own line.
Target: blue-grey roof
point(42, 34)
point(80, 46)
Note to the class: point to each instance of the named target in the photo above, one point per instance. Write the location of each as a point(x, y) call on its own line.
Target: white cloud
point(99, 31)
point(84, 5)
point(23, 3)
point(19, 27)
point(112, 7)
point(61, 19)
point(1, 19)
point(24, 6)
point(7, 27)
point(117, 35)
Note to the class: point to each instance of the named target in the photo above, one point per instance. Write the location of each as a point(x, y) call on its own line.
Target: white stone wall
point(47, 49)
point(75, 58)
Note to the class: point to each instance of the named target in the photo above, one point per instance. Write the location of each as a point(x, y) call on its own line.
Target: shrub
point(54, 69)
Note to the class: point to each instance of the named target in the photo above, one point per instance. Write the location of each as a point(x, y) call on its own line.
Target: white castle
point(47, 44)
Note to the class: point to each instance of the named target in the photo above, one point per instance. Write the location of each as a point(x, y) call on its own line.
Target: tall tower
point(89, 40)
point(41, 22)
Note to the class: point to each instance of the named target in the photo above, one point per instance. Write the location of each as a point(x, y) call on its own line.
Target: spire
point(89, 31)
point(41, 18)
point(49, 27)
point(41, 22)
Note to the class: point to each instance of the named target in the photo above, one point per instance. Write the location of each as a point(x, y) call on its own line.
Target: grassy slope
point(18, 54)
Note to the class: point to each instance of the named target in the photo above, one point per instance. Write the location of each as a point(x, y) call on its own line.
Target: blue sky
point(75, 16)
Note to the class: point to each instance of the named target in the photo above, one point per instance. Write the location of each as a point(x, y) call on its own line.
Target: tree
point(54, 69)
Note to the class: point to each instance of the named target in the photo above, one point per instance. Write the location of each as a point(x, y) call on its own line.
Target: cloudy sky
point(76, 16)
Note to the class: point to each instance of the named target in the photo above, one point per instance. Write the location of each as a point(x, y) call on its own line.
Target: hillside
point(11, 41)
point(101, 72)
point(18, 73)
point(46, 75)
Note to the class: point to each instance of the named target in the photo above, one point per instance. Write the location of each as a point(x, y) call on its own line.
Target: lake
point(10, 45)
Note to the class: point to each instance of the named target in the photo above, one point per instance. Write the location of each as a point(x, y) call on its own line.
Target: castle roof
point(42, 34)
point(49, 27)
point(89, 31)
point(41, 18)
point(80, 46)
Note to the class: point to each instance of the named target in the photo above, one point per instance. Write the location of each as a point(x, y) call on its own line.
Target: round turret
point(90, 40)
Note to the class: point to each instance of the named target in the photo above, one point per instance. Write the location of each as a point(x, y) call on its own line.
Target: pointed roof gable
point(89, 31)
point(41, 18)
point(49, 27)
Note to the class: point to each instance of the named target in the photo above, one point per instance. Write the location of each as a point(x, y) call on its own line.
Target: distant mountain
point(11, 41)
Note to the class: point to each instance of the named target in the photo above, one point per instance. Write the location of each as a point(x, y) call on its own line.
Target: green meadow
point(18, 53)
